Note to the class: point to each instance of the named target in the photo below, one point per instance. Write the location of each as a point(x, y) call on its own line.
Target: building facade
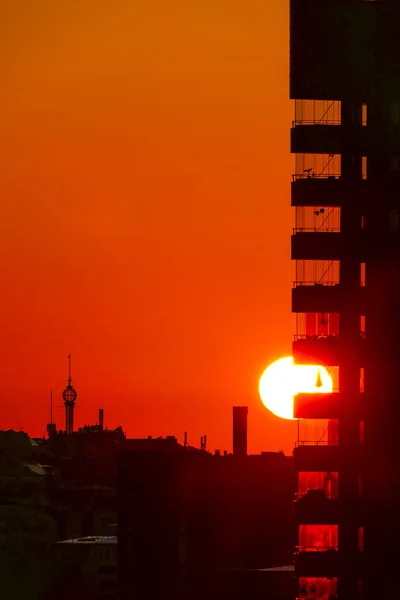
point(345, 81)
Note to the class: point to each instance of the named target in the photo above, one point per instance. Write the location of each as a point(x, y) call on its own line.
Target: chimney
point(101, 419)
point(240, 430)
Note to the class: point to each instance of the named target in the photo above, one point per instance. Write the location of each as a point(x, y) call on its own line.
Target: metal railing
point(322, 121)
point(316, 336)
point(317, 548)
point(315, 283)
point(321, 229)
point(296, 176)
point(322, 495)
point(320, 442)
point(326, 597)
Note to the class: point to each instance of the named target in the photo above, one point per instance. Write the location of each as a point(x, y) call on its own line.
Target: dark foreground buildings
point(345, 80)
point(193, 525)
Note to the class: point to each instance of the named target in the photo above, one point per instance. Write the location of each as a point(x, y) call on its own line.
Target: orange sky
point(144, 180)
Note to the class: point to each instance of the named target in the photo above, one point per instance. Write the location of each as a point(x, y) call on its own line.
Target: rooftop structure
point(86, 568)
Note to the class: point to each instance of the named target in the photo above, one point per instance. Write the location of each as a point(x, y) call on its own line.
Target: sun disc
point(282, 380)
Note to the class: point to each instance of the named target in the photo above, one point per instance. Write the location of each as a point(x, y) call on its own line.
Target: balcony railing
point(326, 597)
point(312, 175)
point(316, 549)
point(304, 336)
point(324, 442)
point(315, 283)
point(327, 229)
point(297, 122)
point(314, 494)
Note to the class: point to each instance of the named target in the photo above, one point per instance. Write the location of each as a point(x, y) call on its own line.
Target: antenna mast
point(69, 396)
point(69, 369)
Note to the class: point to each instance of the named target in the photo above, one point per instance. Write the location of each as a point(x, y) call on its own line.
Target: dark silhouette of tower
point(345, 79)
point(51, 427)
point(69, 396)
point(101, 419)
point(240, 430)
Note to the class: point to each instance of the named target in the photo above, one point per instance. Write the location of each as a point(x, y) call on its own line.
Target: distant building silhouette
point(27, 527)
point(240, 430)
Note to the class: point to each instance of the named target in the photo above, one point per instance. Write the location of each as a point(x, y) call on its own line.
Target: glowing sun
point(282, 380)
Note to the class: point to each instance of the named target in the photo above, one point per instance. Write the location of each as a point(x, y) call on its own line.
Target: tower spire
point(69, 370)
point(69, 396)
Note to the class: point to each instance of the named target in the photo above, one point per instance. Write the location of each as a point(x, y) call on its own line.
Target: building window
point(361, 539)
point(326, 482)
point(364, 115)
point(317, 325)
point(363, 274)
point(317, 219)
point(317, 587)
point(317, 112)
point(362, 326)
point(364, 166)
point(317, 272)
point(318, 538)
point(320, 166)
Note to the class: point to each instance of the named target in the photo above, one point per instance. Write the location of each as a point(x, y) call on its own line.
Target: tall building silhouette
point(345, 80)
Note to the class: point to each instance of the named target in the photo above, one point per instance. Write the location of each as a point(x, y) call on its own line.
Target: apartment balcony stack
point(345, 83)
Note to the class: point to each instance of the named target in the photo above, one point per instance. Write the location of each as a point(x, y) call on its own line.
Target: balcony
point(316, 562)
point(316, 456)
point(322, 456)
point(326, 139)
point(308, 190)
point(316, 245)
point(320, 138)
point(329, 245)
point(316, 297)
point(327, 562)
point(316, 406)
point(327, 351)
point(324, 406)
point(316, 507)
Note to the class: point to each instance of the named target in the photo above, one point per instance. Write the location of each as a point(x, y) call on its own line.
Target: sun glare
point(282, 380)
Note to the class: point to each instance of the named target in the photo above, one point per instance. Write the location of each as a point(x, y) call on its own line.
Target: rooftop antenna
point(69, 369)
point(51, 407)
